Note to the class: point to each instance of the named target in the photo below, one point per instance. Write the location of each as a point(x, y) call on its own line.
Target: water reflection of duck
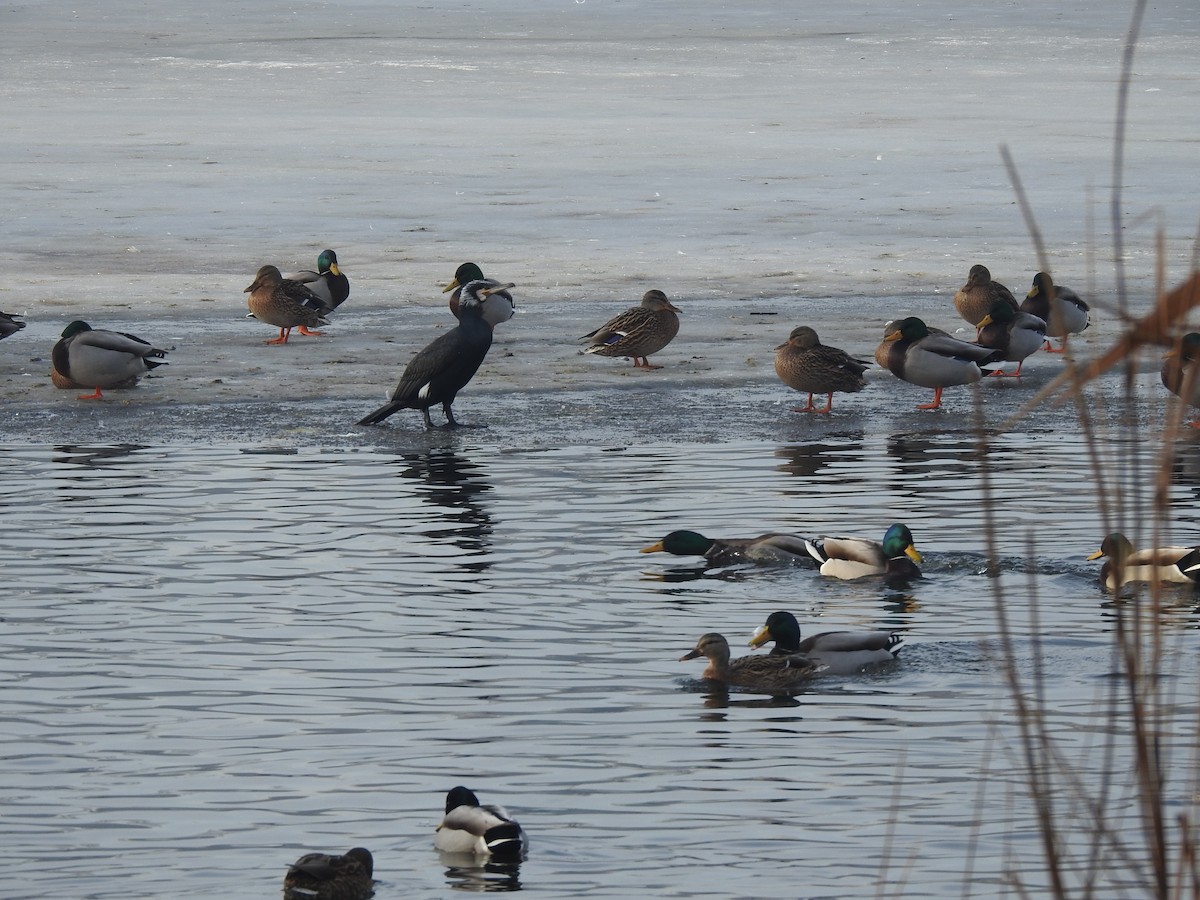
point(1124, 565)
point(320, 876)
point(841, 652)
point(804, 460)
point(773, 547)
point(469, 827)
point(852, 557)
point(773, 674)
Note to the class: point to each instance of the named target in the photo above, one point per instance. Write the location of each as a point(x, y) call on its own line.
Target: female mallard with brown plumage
point(913, 352)
point(770, 674)
point(91, 357)
point(321, 876)
point(854, 557)
point(1123, 564)
point(1180, 373)
point(766, 548)
point(803, 363)
point(281, 302)
point(1017, 335)
point(1064, 311)
point(496, 309)
point(975, 299)
point(637, 332)
point(841, 652)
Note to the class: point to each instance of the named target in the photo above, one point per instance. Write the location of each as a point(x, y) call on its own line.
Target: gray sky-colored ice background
point(585, 147)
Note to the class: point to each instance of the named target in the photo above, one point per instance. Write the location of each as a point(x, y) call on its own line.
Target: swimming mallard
point(840, 652)
point(469, 827)
point(1063, 310)
point(913, 352)
point(320, 876)
point(1180, 374)
point(496, 308)
point(975, 299)
point(772, 547)
point(443, 368)
point(803, 363)
point(9, 324)
point(281, 302)
point(637, 332)
point(1014, 333)
point(852, 557)
point(91, 357)
point(1123, 564)
point(767, 673)
point(328, 285)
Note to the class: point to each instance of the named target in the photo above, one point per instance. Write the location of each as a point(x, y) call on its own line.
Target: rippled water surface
point(218, 658)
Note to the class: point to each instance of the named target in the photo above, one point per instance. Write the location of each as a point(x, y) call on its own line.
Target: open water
point(218, 658)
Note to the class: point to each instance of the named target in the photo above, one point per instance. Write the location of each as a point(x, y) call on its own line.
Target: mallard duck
point(637, 332)
point(766, 548)
point(803, 363)
point(320, 876)
point(1063, 310)
point(328, 285)
point(469, 827)
point(1123, 564)
point(1015, 334)
point(1180, 374)
point(975, 299)
point(496, 309)
point(91, 357)
point(840, 652)
point(913, 352)
point(852, 557)
point(437, 373)
point(281, 302)
point(9, 324)
point(772, 674)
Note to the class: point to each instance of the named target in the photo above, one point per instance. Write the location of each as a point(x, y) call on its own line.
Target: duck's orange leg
point(95, 395)
point(305, 330)
point(937, 401)
point(283, 336)
point(827, 408)
point(1051, 349)
point(1000, 373)
point(644, 364)
point(808, 407)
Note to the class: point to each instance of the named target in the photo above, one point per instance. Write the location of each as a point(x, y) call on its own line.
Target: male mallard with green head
point(804, 364)
point(496, 309)
point(1123, 564)
point(766, 673)
point(328, 284)
point(91, 357)
point(1064, 311)
point(853, 557)
point(915, 353)
point(637, 332)
point(470, 827)
point(773, 547)
point(840, 652)
point(1017, 335)
point(281, 302)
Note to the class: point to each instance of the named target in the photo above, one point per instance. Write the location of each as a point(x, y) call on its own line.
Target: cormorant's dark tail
point(382, 413)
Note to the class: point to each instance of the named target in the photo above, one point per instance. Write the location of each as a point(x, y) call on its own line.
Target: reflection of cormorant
point(92, 456)
point(454, 484)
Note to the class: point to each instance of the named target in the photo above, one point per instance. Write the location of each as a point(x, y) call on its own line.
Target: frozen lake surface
point(237, 628)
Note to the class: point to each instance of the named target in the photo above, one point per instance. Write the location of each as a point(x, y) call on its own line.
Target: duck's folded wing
point(849, 641)
point(853, 549)
point(117, 341)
